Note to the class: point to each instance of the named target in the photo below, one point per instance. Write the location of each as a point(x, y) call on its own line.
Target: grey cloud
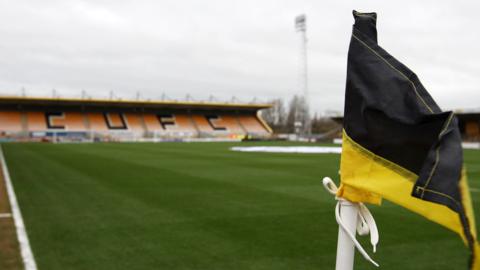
point(228, 48)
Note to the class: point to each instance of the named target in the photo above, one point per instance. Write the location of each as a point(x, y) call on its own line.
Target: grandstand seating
point(115, 121)
point(55, 120)
point(10, 121)
point(202, 124)
point(134, 122)
point(167, 123)
point(251, 124)
point(230, 123)
point(175, 123)
point(36, 121)
point(184, 123)
point(71, 121)
point(74, 121)
point(96, 121)
point(151, 122)
point(472, 130)
point(161, 123)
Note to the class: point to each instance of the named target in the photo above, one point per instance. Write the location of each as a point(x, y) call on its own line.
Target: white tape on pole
point(345, 246)
point(25, 249)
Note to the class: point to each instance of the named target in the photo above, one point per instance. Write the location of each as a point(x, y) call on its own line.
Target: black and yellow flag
point(397, 143)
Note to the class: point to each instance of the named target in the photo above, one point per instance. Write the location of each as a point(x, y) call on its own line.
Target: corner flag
point(397, 143)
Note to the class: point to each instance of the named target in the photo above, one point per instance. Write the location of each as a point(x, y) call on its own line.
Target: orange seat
point(226, 123)
point(36, 121)
point(10, 121)
point(75, 121)
point(231, 122)
point(252, 124)
point(202, 123)
point(97, 122)
point(183, 123)
point(115, 121)
point(151, 122)
point(134, 122)
point(472, 129)
point(72, 121)
point(169, 122)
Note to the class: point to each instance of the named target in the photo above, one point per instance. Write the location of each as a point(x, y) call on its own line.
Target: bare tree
point(292, 115)
point(276, 115)
point(269, 115)
point(298, 115)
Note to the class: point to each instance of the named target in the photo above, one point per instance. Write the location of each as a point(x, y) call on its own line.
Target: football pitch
point(202, 206)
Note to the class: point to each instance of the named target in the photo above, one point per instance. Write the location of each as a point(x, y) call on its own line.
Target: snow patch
point(290, 149)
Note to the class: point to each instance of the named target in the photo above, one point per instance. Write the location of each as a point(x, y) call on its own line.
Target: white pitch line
point(25, 249)
point(474, 189)
point(5, 215)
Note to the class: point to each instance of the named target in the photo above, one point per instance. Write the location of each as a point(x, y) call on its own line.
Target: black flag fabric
point(397, 143)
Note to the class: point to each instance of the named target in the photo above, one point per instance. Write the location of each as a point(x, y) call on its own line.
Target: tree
point(275, 116)
point(292, 115)
point(298, 115)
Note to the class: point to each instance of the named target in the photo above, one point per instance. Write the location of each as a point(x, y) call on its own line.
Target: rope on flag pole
point(350, 215)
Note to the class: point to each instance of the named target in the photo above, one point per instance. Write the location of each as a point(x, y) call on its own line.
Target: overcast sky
point(225, 48)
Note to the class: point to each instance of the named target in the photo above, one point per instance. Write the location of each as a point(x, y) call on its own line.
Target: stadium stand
point(175, 123)
point(73, 121)
point(96, 122)
point(135, 122)
point(251, 125)
point(36, 121)
point(11, 121)
point(468, 123)
point(205, 125)
point(232, 124)
point(58, 119)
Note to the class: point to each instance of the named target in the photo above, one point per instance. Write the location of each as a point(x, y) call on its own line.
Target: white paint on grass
point(474, 190)
point(471, 145)
point(290, 149)
point(25, 249)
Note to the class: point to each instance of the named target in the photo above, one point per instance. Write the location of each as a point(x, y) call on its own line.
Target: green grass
point(201, 206)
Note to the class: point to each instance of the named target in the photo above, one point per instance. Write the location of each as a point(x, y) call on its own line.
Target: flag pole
point(345, 246)
point(347, 214)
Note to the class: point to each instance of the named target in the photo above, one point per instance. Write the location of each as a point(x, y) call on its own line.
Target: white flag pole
point(347, 214)
point(345, 246)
